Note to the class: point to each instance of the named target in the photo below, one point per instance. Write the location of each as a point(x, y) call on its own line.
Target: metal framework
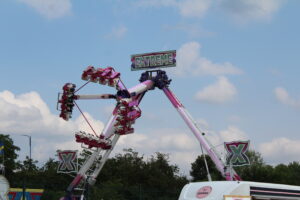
point(122, 119)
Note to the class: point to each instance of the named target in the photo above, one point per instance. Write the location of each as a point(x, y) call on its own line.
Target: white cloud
point(44, 148)
point(247, 10)
point(117, 32)
point(217, 138)
point(186, 8)
point(280, 150)
point(162, 139)
point(190, 62)
point(50, 9)
point(220, 92)
point(283, 96)
point(182, 147)
point(28, 114)
point(233, 133)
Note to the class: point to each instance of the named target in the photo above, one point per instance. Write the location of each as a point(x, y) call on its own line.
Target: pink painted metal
point(123, 116)
point(110, 132)
point(142, 87)
point(172, 98)
point(75, 182)
point(198, 134)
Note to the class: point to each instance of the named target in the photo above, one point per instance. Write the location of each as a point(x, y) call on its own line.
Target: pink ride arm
point(123, 116)
point(142, 87)
point(96, 96)
point(105, 157)
point(108, 132)
point(81, 175)
point(202, 140)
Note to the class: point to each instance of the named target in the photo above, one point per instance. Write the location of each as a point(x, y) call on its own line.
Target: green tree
point(281, 174)
point(54, 184)
point(122, 172)
point(10, 156)
point(112, 190)
point(27, 174)
point(198, 169)
point(294, 173)
point(28, 165)
point(129, 176)
point(257, 170)
point(294, 177)
point(163, 180)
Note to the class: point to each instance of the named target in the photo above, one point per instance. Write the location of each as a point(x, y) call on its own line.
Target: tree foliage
point(199, 172)
point(257, 171)
point(10, 155)
point(131, 176)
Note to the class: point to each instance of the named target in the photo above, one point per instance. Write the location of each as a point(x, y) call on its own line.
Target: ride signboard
point(153, 60)
point(67, 161)
point(236, 153)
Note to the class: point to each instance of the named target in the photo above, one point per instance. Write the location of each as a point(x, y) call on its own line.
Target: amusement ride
point(125, 114)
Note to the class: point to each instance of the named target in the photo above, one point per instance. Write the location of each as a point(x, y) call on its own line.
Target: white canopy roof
point(216, 190)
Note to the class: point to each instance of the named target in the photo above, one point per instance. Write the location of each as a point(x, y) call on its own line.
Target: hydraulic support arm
point(200, 136)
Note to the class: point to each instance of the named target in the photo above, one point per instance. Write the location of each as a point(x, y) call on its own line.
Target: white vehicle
point(239, 190)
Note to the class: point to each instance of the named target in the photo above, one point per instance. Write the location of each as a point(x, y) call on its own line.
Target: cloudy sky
point(237, 70)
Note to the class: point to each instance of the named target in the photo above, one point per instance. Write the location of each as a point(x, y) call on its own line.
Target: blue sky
point(237, 71)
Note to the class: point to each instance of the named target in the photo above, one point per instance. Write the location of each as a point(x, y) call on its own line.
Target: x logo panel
point(237, 153)
point(67, 161)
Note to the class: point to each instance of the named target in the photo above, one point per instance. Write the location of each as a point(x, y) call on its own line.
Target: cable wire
point(85, 118)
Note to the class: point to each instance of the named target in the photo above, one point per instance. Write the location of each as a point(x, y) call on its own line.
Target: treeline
point(130, 176)
point(126, 176)
point(258, 171)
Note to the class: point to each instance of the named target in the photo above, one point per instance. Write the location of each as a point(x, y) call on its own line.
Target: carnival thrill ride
point(123, 117)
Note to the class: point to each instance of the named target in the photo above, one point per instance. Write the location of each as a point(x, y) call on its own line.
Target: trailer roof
point(216, 190)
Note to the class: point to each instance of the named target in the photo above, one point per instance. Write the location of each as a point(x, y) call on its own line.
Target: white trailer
point(239, 190)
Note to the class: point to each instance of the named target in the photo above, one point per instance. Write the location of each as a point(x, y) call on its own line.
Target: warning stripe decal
point(274, 192)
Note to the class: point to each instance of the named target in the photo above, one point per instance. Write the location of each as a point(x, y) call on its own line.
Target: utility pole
point(29, 137)
point(24, 188)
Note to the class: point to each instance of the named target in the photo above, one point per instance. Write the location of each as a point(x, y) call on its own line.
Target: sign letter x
point(67, 161)
point(237, 153)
